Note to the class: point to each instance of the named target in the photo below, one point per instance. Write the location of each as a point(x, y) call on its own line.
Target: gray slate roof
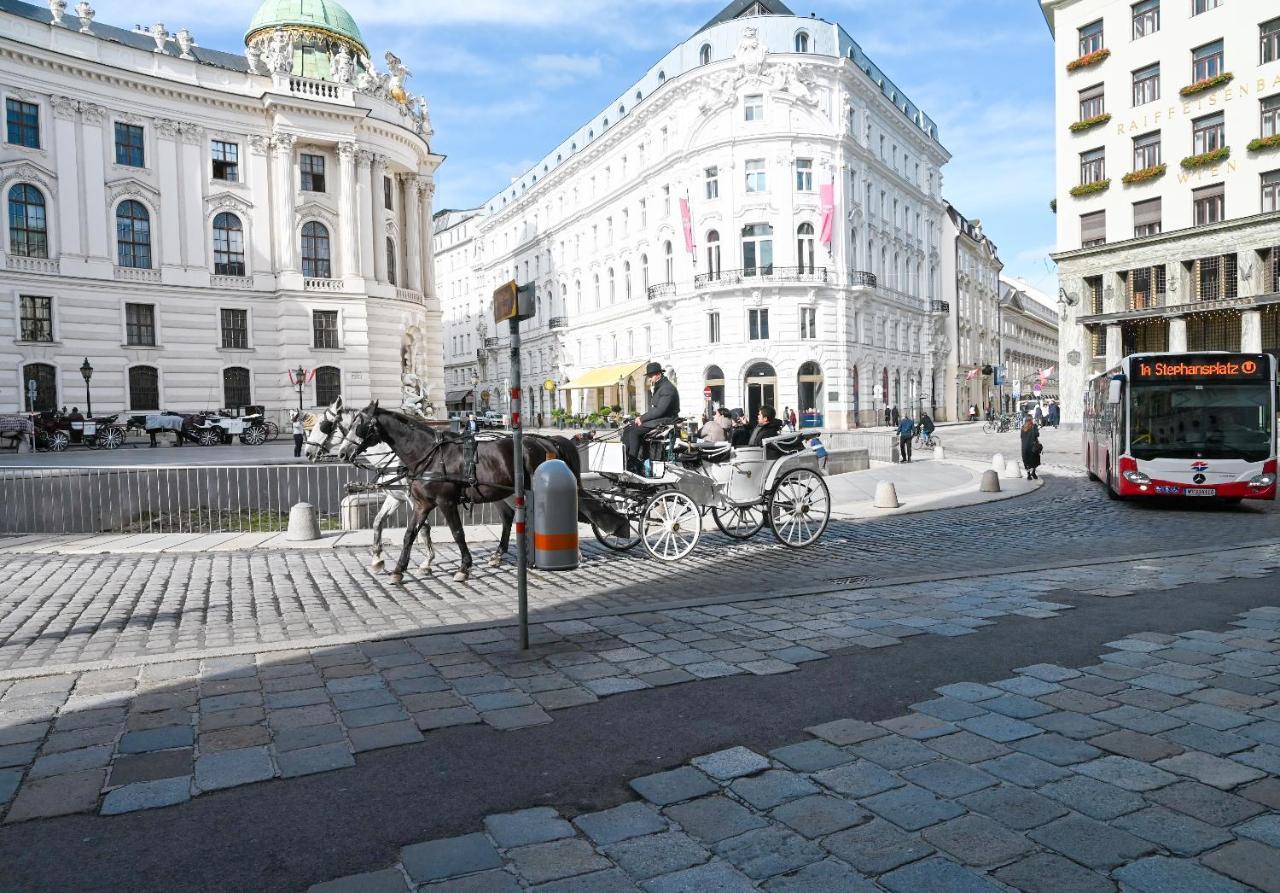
point(738, 7)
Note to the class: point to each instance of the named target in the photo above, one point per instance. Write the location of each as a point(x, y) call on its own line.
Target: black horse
point(436, 466)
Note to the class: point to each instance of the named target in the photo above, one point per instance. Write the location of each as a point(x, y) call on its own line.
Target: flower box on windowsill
point(1090, 123)
point(1206, 158)
point(1090, 188)
point(1263, 143)
point(1207, 84)
point(1088, 59)
point(1146, 175)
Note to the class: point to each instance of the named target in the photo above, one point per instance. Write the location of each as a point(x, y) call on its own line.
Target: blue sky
point(506, 80)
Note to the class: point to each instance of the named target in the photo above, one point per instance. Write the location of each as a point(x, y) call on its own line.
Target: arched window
point(644, 273)
point(802, 42)
point(28, 228)
point(235, 388)
point(144, 388)
point(328, 385)
point(315, 254)
point(612, 295)
point(577, 291)
point(564, 299)
point(704, 54)
point(670, 261)
point(228, 245)
point(757, 249)
point(46, 378)
point(853, 249)
point(805, 247)
point(898, 284)
point(713, 254)
point(596, 278)
point(626, 280)
point(662, 77)
point(391, 260)
point(133, 235)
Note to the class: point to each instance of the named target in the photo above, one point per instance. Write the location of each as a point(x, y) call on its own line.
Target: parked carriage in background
point(203, 428)
point(16, 430)
point(55, 431)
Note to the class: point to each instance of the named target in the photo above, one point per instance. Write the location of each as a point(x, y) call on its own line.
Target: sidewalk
point(924, 485)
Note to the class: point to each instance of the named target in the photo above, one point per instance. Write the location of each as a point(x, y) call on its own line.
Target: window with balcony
point(315, 251)
point(228, 245)
point(713, 328)
point(1146, 217)
point(669, 261)
point(1093, 229)
point(1269, 41)
point(1146, 84)
point(235, 329)
point(804, 175)
point(805, 245)
point(140, 325)
point(1091, 102)
point(753, 107)
point(1208, 133)
point(324, 330)
point(1146, 18)
point(1271, 191)
point(1146, 151)
point(35, 318)
point(758, 325)
point(1206, 61)
point(226, 160)
point(129, 148)
point(312, 167)
point(1093, 166)
point(235, 388)
point(713, 254)
point(1091, 38)
point(757, 249)
point(1208, 204)
point(328, 385)
point(756, 176)
point(23, 123)
point(808, 323)
point(28, 225)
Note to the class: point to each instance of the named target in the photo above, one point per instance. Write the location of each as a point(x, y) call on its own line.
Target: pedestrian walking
point(906, 430)
point(888, 416)
point(1055, 413)
point(895, 416)
point(1031, 448)
point(1038, 416)
point(794, 419)
point(298, 432)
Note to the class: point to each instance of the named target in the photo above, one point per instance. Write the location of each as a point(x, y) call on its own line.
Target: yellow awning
point(604, 377)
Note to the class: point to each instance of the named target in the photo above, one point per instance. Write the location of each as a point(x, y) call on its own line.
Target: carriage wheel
point(207, 437)
point(271, 430)
point(58, 441)
point(254, 436)
point(670, 526)
point(799, 508)
point(111, 438)
point(619, 543)
point(741, 522)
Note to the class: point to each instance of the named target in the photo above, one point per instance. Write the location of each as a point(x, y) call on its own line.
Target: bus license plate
point(1202, 491)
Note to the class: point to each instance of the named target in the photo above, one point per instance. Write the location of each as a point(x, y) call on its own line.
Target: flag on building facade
point(687, 220)
point(973, 373)
point(826, 195)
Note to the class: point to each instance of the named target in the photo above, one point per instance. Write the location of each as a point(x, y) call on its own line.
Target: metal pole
point(88, 401)
point(517, 428)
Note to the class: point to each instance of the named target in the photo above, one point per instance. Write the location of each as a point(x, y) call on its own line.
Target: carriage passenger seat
point(783, 445)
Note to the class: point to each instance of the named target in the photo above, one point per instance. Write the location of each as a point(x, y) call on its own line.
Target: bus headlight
point(1137, 478)
point(1263, 481)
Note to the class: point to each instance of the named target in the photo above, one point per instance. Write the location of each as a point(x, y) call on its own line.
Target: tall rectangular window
point(1269, 41)
point(1208, 204)
point(1145, 287)
point(1271, 191)
point(387, 194)
point(226, 160)
point(1091, 102)
point(1146, 18)
point(713, 328)
point(808, 323)
point(753, 107)
point(713, 182)
point(23, 121)
point(1093, 229)
point(36, 318)
point(140, 325)
point(129, 148)
point(804, 175)
point(1146, 218)
point(1146, 84)
point(1091, 38)
point(324, 329)
point(1270, 124)
point(1146, 151)
point(1199, 6)
point(1093, 166)
point(756, 176)
point(1214, 278)
point(1206, 61)
point(312, 172)
point(1207, 133)
point(235, 329)
point(758, 325)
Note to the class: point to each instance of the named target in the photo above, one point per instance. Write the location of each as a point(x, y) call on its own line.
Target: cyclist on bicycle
point(926, 428)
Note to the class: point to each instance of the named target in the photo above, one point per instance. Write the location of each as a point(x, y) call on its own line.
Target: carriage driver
point(664, 408)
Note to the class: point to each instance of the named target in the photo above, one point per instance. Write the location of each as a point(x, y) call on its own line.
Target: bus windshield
point(1201, 421)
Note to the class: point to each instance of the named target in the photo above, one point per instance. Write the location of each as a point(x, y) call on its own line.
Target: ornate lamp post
point(475, 396)
point(86, 371)
point(300, 380)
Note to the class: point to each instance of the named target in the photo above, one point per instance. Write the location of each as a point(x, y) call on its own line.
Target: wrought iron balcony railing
point(759, 274)
point(558, 322)
point(492, 342)
point(863, 278)
point(939, 306)
point(662, 290)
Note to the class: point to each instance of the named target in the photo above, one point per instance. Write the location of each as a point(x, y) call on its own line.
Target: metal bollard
point(555, 517)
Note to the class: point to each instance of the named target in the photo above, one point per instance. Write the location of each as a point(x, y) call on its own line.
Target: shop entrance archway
point(761, 388)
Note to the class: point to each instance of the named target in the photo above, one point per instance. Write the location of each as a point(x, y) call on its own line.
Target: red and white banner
point(973, 373)
point(293, 379)
point(687, 220)
point(827, 196)
point(1045, 375)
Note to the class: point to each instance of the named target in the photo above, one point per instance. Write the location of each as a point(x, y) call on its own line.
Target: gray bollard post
point(990, 482)
point(304, 523)
point(555, 517)
point(886, 495)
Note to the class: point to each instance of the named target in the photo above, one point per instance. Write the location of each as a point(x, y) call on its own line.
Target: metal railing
point(760, 274)
point(940, 306)
point(662, 290)
point(492, 342)
point(863, 278)
point(558, 322)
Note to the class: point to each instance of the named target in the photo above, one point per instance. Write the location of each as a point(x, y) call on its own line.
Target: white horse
point(327, 435)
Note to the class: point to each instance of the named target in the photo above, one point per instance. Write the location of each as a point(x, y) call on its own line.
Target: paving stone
point(389, 880)
point(516, 717)
point(374, 716)
point(666, 677)
point(894, 752)
point(225, 719)
point(1014, 807)
point(1126, 773)
point(147, 767)
point(230, 768)
point(912, 807)
point(159, 719)
point(1160, 874)
point(1094, 798)
point(156, 739)
point(390, 734)
point(1266, 792)
point(92, 736)
point(558, 699)
point(949, 778)
point(356, 700)
point(820, 815)
point(999, 728)
point(937, 876)
point(811, 756)
point(918, 726)
point(1249, 862)
point(445, 717)
point(71, 761)
point(827, 876)
point(310, 760)
point(1091, 843)
point(1050, 873)
point(57, 795)
point(1139, 719)
point(147, 795)
point(9, 781)
point(969, 691)
point(626, 821)
point(735, 762)
point(1202, 738)
point(843, 732)
point(1028, 686)
point(772, 788)
point(968, 747)
point(1263, 732)
point(23, 734)
point(543, 862)
point(768, 852)
point(1072, 725)
point(609, 881)
point(1206, 803)
point(1016, 706)
point(673, 786)
point(712, 819)
point(1175, 832)
point(1263, 757)
point(528, 826)
point(1057, 749)
point(1144, 748)
point(857, 780)
point(657, 854)
point(1024, 769)
point(949, 709)
point(298, 717)
point(977, 840)
point(307, 697)
point(309, 736)
point(1219, 718)
point(1077, 701)
point(450, 857)
point(1211, 770)
point(1264, 829)
point(876, 847)
point(714, 877)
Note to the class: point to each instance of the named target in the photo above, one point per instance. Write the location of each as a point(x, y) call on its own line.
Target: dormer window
point(704, 54)
point(802, 42)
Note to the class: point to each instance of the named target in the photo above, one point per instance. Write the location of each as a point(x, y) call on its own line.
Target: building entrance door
point(762, 389)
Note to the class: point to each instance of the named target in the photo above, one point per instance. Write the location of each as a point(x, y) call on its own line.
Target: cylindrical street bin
point(555, 517)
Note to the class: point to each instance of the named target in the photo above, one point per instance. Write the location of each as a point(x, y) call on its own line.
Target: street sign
point(706, 392)
point(877, 393)
point(513, 302)
point(1017, 388)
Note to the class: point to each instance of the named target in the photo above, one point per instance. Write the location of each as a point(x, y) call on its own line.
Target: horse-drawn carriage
point(744, 488)
point(55, 431)
point(203, 429)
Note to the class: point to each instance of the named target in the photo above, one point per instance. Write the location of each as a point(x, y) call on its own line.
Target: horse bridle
point(329, 423)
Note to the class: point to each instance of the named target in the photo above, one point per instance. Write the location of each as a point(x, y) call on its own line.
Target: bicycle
point(999, 425)
point(920, 443)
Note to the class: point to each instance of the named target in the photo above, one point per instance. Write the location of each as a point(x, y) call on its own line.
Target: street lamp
point(86, 371)
point(300, 380)
point(475, 397)
point(622, 400)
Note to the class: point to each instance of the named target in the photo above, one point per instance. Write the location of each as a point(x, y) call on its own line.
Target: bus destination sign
point(1217, 367)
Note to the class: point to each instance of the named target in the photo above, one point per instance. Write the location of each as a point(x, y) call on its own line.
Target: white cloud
point(553, 70)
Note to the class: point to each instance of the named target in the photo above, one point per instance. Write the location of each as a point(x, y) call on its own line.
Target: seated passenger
point(712, 430)
point(766, 425)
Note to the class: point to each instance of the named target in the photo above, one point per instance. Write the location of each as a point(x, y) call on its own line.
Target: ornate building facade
point(971, 268)
point(1028, 340)
point(196, 223)
point(805, 272)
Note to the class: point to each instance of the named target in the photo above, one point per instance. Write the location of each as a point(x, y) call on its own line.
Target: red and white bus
point(1195, 425)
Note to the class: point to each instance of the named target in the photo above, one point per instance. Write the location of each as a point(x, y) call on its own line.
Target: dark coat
point(1031, 448)
point(760, 432)
point(664, 404)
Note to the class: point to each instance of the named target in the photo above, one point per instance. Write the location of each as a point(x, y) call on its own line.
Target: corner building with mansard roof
point(195, 222)
point(748, 120)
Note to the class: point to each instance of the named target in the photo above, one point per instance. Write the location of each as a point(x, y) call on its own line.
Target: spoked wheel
point(799, 508)
point(111, 438)
point(619, 543)
point(254, 436)
point(271, 429)
point(59, 441)
point(740, 522)
point(988, 428)
point(670, 526)
point(207, 437)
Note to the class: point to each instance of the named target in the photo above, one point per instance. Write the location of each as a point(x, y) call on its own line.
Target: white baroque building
point(971, 268)
point(1028, 339)
point(195, 223)
point(748, 121)
point(1168, 179)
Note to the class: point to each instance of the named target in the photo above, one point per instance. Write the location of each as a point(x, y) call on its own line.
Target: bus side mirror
point(1113, 391)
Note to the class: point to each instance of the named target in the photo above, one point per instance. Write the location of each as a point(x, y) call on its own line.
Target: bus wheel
point(1088, 467)
point(1112, 494)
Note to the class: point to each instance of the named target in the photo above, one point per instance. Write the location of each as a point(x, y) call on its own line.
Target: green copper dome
point(325, 16)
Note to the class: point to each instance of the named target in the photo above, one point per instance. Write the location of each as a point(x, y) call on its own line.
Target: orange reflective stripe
point(555, 542)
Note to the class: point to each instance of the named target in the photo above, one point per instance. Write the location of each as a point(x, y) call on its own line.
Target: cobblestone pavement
point(72, 611)
point(1154, 770)
point(121, 740)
